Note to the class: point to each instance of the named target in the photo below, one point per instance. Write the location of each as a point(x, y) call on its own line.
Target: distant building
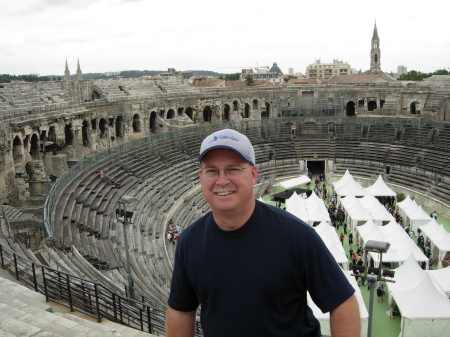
point(272, 75)
point(291, 71)
point(401, 70)
point(328, 70)
point(375, 53)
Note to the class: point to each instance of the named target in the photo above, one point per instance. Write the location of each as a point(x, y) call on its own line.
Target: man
point(249, 265)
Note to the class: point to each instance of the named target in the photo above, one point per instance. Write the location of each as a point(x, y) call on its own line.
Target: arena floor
point(382, 325)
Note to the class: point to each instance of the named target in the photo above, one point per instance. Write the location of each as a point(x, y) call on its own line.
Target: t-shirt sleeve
point(182, 295)
point(325, 279)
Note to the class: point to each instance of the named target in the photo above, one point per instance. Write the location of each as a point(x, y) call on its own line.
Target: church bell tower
point(375, 53)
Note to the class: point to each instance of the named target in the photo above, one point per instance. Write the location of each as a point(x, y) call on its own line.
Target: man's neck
point(230, 221)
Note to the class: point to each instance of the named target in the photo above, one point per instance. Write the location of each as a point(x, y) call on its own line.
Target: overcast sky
point(37, 36)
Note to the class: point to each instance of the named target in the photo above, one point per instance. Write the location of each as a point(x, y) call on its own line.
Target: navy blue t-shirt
point(252, 281)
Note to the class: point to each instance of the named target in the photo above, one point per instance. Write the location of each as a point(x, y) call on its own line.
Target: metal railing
point(82, 295)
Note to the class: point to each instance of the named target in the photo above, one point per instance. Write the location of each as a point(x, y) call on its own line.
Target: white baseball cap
point(228, 139)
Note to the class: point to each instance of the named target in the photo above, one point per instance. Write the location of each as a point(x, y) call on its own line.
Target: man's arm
point(345, 319)
point(180, 323)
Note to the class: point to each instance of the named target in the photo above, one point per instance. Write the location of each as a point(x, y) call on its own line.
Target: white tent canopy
point(302, 180)
point(348, 186)
point(309, 210)
point(364, 209)
point(401, 245)
point(439, 238)
point(380, 189)
point(425, 309)
point(413, 213)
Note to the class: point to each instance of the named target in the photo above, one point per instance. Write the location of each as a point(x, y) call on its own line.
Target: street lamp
point(124, 217)
point(373, 275)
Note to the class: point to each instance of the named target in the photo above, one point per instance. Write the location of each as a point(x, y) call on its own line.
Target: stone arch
point(413, 108)
point(94, 124)
point(153, 119)
point(247, 110)
point(351, 111)
point(235, 106)
point(119, 127)
point(68, 134)
point(17, 150)
point(52, 134)
point(226, 112)
point(371, 105)
point(180, 112)
point(170, 114)
point(207, 114)
point(255, 104)
point(189, 113)
point(266, 111)
point(85, 133)
point(103, 126)
point(136, 124)
point(34, 147)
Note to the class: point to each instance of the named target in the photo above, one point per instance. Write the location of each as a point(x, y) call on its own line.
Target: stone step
point(24, 312)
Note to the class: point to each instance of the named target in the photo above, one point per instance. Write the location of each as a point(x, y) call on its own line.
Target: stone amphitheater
point(70, 151)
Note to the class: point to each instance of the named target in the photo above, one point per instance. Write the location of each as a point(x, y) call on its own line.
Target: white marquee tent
point(361, 210)
point(302, 180)
point(401, 245)
point(412, 213)
point(348, 186)
point(380, 189)
point(439, 237)
point(423, 304)
point(310, 210)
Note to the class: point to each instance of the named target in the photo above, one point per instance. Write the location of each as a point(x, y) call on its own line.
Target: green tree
point(249, 81)
point(287, 78)
point(233, 77)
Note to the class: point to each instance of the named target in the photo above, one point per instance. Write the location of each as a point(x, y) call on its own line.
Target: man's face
point(231, 190)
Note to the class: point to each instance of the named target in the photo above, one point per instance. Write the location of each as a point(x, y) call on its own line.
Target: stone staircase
point(24, 312)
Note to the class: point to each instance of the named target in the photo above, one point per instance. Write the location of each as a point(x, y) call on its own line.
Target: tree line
point(415, 75)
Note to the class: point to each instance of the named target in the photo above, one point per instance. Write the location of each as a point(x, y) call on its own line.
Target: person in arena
point(249, 265)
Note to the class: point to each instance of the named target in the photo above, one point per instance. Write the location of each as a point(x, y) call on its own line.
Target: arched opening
point(180, 112)
point(95, 95)
point(153, 117)
point(371, 105)
point(18, 154)
point(255, 104)
point(412, 108)
point(119, 127)
point(136, 124)
point(103, 128)
point(68, 134)
point(85, 133)
point(376, 58)
point(350, 109)
point(266, 111)
point(207, 114)
point(170, 114)
point(189, 113)
point(226, 112)
point(51, 134)
point(235, 106)
point(247, 110)
point(34, 146)
point(94, 124)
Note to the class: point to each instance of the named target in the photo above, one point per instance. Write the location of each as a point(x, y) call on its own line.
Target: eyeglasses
point(230, 172)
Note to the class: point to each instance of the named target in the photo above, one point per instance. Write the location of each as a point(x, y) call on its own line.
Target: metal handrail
point(91, 298)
